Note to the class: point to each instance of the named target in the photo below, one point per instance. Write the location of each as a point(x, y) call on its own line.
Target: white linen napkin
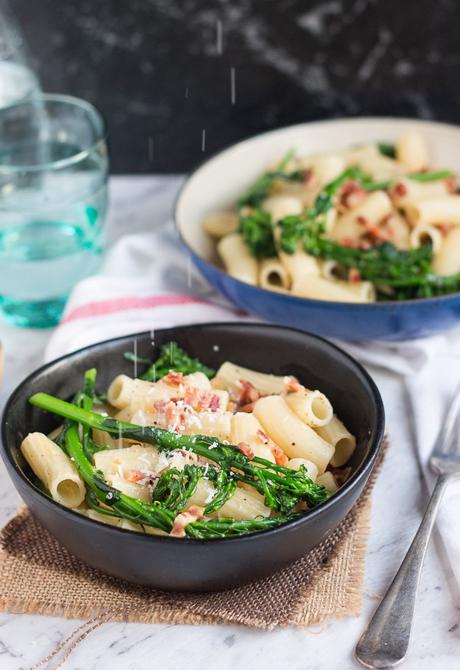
point(147, 282)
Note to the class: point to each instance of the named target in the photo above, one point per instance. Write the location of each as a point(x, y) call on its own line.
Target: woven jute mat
point(39, 576)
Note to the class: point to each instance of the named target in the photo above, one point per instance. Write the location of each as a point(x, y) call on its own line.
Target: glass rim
point(81, 154)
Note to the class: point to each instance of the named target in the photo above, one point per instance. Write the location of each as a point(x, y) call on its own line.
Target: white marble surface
point(138, 203)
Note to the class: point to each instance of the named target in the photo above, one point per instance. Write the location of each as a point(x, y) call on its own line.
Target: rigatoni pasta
point(436, 211)
point(425, 233)
point(238, 261)
point(299, 266)
point(273, 274)
point(412, 151)
point(323, 168)
point(311, 406)
point(361, 219)
point(318, 288)
point(244, 504)
point(447, 259)
point(343, 442)
point(220, 224)
point(280, 206)
point(247, 429)
point(54, 469)
point(231, 376)
point(188, 452)
point(310, 467)
point(294, 436)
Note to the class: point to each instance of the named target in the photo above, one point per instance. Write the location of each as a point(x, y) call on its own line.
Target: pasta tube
point(134, 394)
point(297, 463)
point(243, 504)
point(318, 288)
point(444, 210)
point(198, 380)
point(55, 469)
point(299, 265)
point(129, 470)
point(126, 392)
point(329, 269)
point(371, 161)
point(352, 225)
point(301, 191)
point(325, 168)
point(280, 206)
point(447, 259)
point(342, 440)
point(142, 492)
point(103, 439)
point(406, 190)
point(220, 224)
point(311, 406)
point(273, 275)
point(246, 428)
point(294, 437)
point(424, 233)
point(412, 151)
point(217, 424)
point(237, 260)
point(122, 461)
point(123, 389)
point(230, 376)
point(327, 479)
point(184, 419)
point(398, 231)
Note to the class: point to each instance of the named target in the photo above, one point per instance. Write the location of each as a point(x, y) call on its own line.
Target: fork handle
point(384, 643)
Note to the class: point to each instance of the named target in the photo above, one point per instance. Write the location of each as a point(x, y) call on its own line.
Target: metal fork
point(385, 641)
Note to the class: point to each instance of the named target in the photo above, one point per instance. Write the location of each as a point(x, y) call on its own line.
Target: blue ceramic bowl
point(218, 182)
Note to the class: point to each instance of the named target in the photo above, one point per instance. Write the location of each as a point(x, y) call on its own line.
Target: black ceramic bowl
point(200, 565)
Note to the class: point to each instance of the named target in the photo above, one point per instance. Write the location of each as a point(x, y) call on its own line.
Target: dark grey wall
point(161, 70)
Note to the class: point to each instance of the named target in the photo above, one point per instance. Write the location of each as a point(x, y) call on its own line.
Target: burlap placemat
point(39, 576)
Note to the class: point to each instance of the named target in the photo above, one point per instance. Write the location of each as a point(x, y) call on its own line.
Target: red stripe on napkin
point(122, 304)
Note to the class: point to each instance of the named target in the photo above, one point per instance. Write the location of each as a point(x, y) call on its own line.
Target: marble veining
point(398, 500)
point(162, 70)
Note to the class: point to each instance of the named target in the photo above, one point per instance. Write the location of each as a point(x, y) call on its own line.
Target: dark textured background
point(162, 77)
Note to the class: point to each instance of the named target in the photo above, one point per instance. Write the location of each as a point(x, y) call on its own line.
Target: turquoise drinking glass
point(53, 203)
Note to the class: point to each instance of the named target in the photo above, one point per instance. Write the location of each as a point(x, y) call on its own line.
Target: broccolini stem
point(434, 175)
point(86, 401)
point(215, 528)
